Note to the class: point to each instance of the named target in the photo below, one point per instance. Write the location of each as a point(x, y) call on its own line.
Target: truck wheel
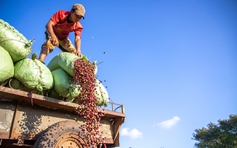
point(65, 134)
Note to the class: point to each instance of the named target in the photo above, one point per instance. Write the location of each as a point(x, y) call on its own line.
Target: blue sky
point(172, 63)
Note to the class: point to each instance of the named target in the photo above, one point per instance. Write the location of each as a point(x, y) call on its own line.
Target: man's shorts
point(64, 45)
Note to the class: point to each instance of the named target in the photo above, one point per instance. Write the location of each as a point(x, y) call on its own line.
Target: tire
point(65, 134)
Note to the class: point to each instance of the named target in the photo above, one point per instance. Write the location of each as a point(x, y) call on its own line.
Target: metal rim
point(69, 140)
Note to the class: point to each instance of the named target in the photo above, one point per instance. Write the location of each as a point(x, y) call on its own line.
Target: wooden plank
point(9, 93)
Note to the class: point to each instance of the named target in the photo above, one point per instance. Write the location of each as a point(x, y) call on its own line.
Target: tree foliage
point(221, 135)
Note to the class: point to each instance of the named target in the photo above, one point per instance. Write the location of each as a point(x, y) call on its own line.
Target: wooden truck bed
point(21, 123)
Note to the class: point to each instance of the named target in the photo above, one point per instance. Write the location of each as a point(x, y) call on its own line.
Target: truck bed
point(21, 122)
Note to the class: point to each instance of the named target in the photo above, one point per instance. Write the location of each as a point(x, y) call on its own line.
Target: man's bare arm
point(52, 36)
point(78, 45)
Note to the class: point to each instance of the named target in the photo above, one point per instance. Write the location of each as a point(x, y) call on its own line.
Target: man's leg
point(44, 52)
point(46, 48)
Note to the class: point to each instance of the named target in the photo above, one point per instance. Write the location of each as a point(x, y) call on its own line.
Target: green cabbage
point(33, 74)
point(63, 85)
point(14, 42)
point(6, 66)
point(101, 94)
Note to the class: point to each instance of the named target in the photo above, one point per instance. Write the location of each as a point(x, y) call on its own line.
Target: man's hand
point(54, 40)
point(78, 53)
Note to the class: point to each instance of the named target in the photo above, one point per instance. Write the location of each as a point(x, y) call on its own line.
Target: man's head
point(79, 10)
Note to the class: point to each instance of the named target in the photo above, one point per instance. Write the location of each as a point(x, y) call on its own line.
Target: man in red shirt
point(58, 29)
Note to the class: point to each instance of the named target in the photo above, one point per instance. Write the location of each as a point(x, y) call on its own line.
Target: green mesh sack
point(54, 94)
point(65, 60)
point(33, 74)
point(53, 64)
point(101, 94)
point(16, 84)
point(63, 85)
point(14, 42)
point(6, 66)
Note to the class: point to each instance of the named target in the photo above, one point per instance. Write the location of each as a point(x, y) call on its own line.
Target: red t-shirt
point(62, 28)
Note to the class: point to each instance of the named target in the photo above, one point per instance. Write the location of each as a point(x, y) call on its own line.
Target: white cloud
point(169, 123)
point(134, 133)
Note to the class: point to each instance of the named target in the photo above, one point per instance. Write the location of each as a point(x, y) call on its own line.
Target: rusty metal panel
point(31, 120)
point(7, 109)
point(27, 122)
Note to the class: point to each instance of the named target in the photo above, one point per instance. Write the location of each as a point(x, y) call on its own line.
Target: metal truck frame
point(50, 122)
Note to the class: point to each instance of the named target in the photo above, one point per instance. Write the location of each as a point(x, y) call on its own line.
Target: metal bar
point(14, 122)
point(117, 125)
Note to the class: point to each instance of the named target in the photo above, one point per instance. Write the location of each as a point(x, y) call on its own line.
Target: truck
point(36, 121)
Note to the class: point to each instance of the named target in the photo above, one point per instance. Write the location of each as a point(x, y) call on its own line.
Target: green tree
point(221, 135)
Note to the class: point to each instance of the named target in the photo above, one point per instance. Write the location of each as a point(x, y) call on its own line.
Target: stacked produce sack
point(21, 72)
point(14, 42)
point(34, 75)
point(6, 66)
point(61, 67)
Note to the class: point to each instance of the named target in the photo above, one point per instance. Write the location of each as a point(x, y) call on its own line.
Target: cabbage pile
point(21, 72)
point(62, 68)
